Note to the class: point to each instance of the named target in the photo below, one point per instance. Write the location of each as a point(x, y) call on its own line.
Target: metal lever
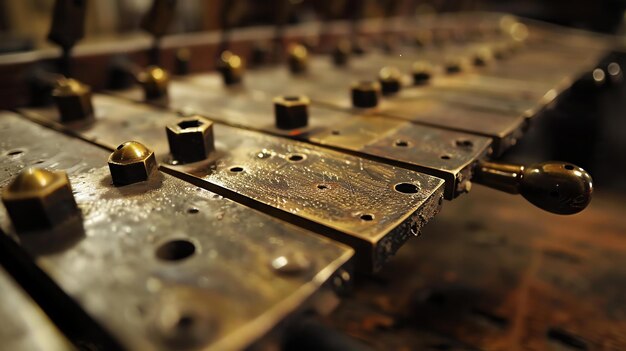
point(556, 187)
point(67, 28)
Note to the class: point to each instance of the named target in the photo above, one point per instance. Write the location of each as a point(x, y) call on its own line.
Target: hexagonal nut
point(191, 139)
point(298, 58)
point(365, 94)
point(232, 68)
point(131, 162)
point(73, 100)
point(390, 79)
point(291, 112)
point(39, 199)
point(422, 72)
point(154, 81)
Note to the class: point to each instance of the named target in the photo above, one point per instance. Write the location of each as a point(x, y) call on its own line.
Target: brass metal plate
point(24, 325)
point(347, 198)
point(224, 296)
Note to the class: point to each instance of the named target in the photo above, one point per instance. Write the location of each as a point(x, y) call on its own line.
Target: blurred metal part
point(173, 254)
point(347, 198)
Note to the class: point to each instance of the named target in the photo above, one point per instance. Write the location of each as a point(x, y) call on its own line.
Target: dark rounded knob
point(365, 94)
point(231, 67)
point(422, 71)
point(341, 53)
point(390, 79)
point(557, 187)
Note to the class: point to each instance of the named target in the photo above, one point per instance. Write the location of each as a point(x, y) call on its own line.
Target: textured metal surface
point(496, 274)
point(119, 261)
point(24, 326)
point(442, 153)
point(347, 198)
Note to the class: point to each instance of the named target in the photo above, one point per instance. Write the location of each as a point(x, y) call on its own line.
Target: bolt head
point(298, 58)
point(422, 72)
point(390, 79)
point(191, 139)
point(291, 111)
point(365, 94)
point(154, 81)
point(73, 100)
point(39, 199)
point(232, 68)
point(131, 162)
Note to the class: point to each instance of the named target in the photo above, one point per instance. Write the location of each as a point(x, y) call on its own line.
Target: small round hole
point(445, 157)
point(335, 132)
point(406, 188)
point(193, 123)
point(401, 143)
point(14, 152)
point(185, 322)
point(39, 162)
point(296, 158)
point(322, 186)
point(464, 143)
point(569, 167)
point(176, 250)
point(193, 210)
point(367, 217)
point(236, 169)
point(291, 98)
point(120, 146)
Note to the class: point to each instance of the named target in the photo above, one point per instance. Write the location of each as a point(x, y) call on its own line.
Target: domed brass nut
point(341, 53)
point(39, 199)
point(291, 111)
point(191, 139)
point(390, 79)
point(298, 58)
point(232, 68)
point(154, 81)
point(365, 94)
point(130, 163)
point(422, 72)
point(73, 100)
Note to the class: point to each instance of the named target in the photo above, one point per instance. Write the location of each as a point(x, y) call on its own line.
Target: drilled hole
point(194, 123)
point(39, 162)
point(193, 210)
point(236, 169)
point(406, 188)
point(569, 167)
point(296, 158)
point(367, 217)
point(445, 157)
point(401, 143)
point(185, 322)
point(322, 186)
point(14, 152)
point(120, 146)
point(176, 250)
point(465, 143)
point(291, 98)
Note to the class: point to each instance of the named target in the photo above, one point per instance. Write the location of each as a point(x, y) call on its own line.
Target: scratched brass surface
point(109, 261)
point(25, 327)
point(317, 188)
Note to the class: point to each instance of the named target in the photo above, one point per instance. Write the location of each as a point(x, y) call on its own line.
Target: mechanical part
point(39, 199)
point(130, 163)
point(73, 100)
point(181, 61)
point(390, 79)
point(422, 72)
point(291, 112)
point(154, 81)
point(341, 52)
point(190, 139)
point(298, 58)
point(67, 28)
point(557, 187)
point(365, 94)
point(158, 19)
point(231, 67)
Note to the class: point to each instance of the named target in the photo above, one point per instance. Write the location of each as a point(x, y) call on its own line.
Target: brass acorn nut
point(298, 58)
point(390, 79)
point(422, 72)
point(130, 163)
point(154, 81)
point(39, 199)
point(232, 68)
point(73, 100)
point(365, 94)
point(291, 111)
point(191, 139)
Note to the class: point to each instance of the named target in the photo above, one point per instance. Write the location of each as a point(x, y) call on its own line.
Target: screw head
point(191, 139)
point(390, 79)
point(39, 199)
point(232, 68)
point(131, 162)
point(298, 58)
point(154, 81)
point(73, 100)
point(291, 111)
point(365, 94)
